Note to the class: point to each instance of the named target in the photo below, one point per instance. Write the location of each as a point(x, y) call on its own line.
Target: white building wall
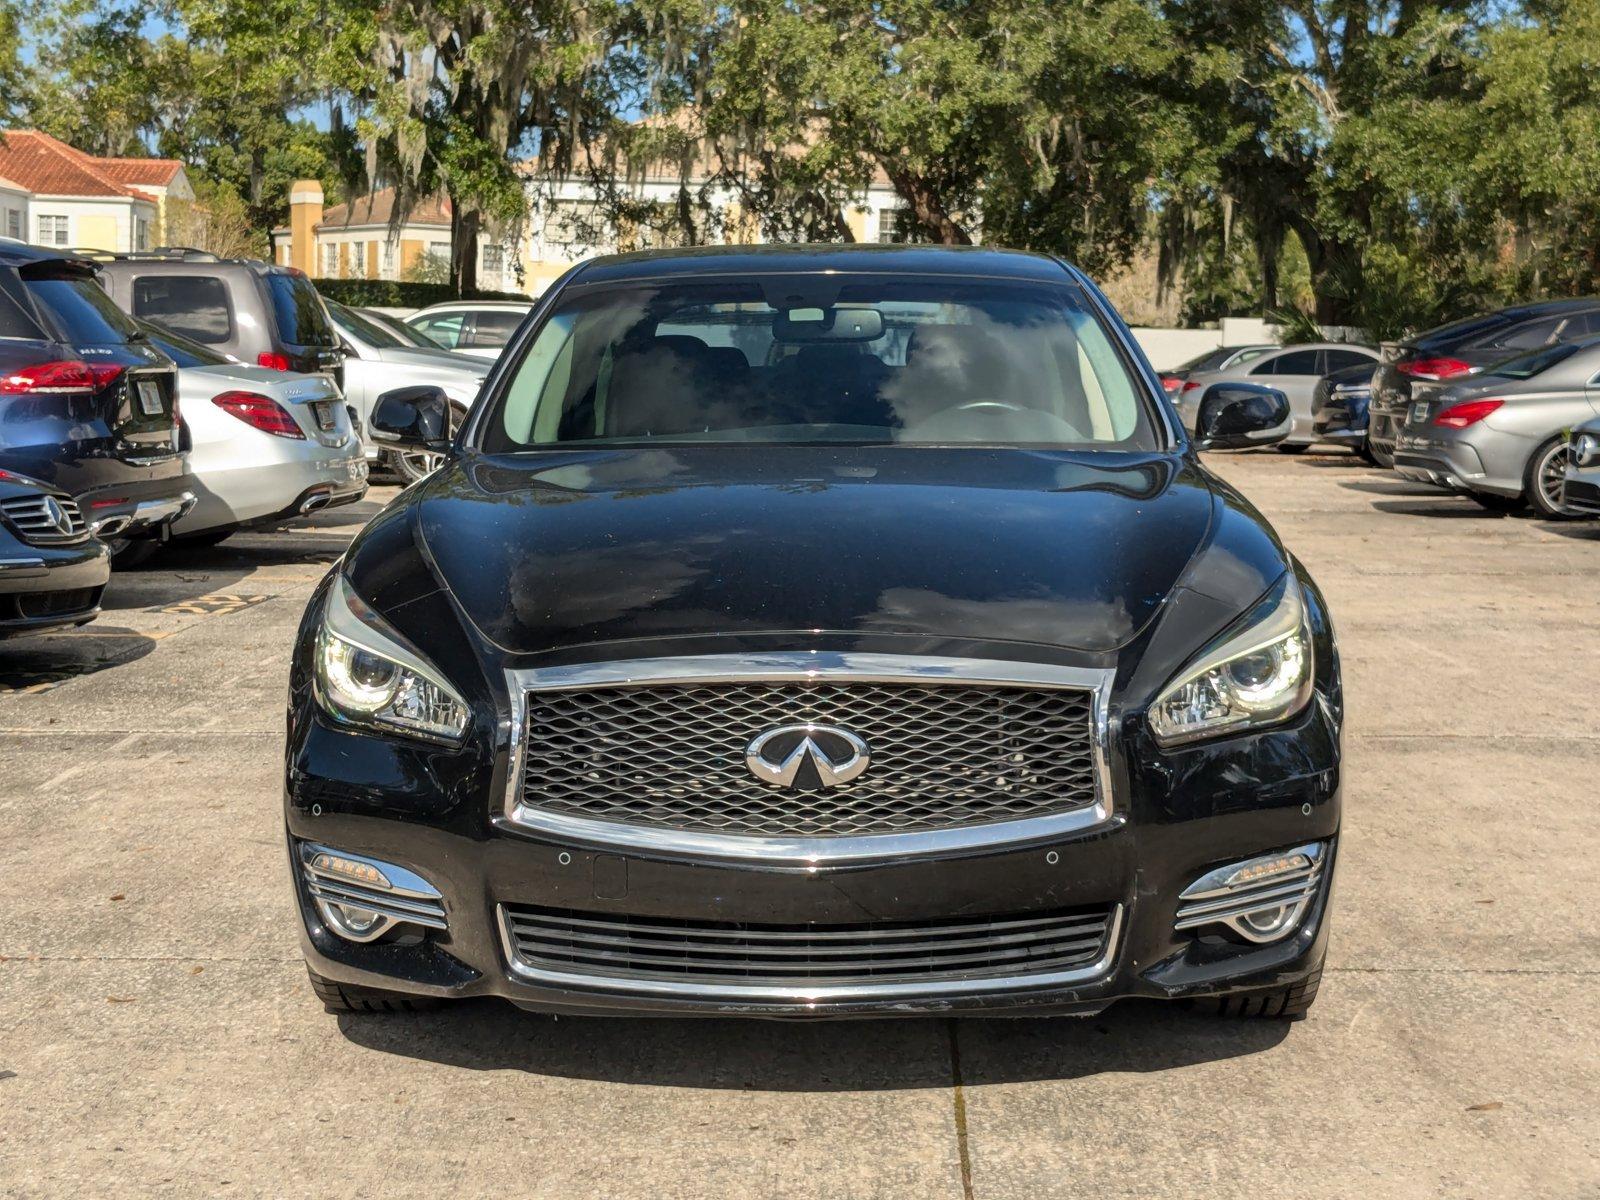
point(85, 215)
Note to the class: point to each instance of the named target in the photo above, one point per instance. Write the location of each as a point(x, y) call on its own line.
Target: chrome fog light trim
point(1261, 899)
point(362, 898)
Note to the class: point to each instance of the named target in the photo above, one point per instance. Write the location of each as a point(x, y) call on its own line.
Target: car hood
point(555, 550)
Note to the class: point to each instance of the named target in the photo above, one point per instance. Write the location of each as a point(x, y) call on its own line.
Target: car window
point(1581, 325)
point(1527, 336)
point(444, 329)
point(1338, 360)
point(1526, 366)
point(193, 305)
point(80, 309)
point(863, 361)
point(407, 335)
point(298, 311)
point(1297, 362)
point(16, 319)
point(494, 327)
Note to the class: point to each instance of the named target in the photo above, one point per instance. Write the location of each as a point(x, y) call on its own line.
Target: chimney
point(305, 214)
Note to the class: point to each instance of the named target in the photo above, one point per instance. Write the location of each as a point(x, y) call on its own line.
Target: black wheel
point(130, 552)
point(212, 537)
point(1366, 451)
point(413, 466)
point(1499, 504)
point(1284, 1004)
point(347, 998)
point(1542, 480)
point(1293, 447)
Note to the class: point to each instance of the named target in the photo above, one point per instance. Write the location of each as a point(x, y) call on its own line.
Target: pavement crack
point(959, 1095)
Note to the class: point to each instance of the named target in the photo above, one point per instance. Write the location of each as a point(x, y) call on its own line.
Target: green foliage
point(390, 293)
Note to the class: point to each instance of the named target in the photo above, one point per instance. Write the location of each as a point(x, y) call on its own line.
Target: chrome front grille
point(734, 958)
point(943, 755)
point(46, 520)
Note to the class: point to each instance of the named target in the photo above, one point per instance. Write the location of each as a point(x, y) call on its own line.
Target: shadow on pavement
point(825, 1056)
point(47, 660)
point(1445, 505)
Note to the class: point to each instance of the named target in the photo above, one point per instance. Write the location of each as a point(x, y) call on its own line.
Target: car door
point(1294, 372)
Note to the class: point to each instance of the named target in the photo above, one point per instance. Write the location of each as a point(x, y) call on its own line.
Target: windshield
point(302, 321)
point(379, 337)
point(811, 358)
point(181, 350)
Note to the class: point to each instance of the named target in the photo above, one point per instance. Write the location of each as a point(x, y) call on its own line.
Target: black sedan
point(52, 571)
point(811, 632)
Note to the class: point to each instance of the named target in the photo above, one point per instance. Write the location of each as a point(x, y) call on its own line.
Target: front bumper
point(43, 587)
point(1177, 819)
point(1581, 490)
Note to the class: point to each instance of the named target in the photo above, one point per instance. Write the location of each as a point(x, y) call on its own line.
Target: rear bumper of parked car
point(1457, 460)
point(279, 484)
point(1201, 808)
point(137, 510)
point(42, 587)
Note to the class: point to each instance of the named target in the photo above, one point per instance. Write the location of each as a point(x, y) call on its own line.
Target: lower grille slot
point(621, 948)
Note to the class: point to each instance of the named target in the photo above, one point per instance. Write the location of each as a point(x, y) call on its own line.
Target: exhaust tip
point(311, 503)
point(110, 527)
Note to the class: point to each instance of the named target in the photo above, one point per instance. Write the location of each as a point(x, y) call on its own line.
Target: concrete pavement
point(157, 1035)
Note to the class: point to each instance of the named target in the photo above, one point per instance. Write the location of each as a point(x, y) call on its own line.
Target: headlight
point(367, 675)
point(1585, 450)
point(1258, 675)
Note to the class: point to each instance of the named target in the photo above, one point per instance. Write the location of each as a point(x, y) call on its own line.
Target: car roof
point(21, 254)
point(471, 306)
point(968, 261)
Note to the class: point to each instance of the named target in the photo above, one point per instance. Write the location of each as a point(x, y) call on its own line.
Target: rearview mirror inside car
point(1237, 416)
point(841, 324)
point(413, 418)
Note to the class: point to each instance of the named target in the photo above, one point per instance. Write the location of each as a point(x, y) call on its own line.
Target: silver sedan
point(1501, 438)
point(377, 361)
point(1292, 370)
point(265, 446)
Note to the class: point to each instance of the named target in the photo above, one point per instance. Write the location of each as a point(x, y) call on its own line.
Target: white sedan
point(480, 328)
point(264, 446)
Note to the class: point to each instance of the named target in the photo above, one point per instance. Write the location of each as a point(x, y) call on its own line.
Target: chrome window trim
point(816, 994)
point(801, 666)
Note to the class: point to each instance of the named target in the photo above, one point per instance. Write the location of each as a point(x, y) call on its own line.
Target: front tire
point(348, 998)
point(1284, 1004)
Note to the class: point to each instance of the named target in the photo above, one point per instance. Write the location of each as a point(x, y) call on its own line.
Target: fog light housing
point(360, 898)
point(1260, 899)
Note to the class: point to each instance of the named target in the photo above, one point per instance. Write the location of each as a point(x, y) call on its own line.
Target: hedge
point(394, 293)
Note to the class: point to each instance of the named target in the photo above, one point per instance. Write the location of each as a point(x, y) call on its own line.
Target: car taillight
point(1434, 368)
point(1459, 416)
point(104, 374)
point(272, 361)
point(260, 412)
point(1172, 382)
point(68, 377)
point(1192, 385)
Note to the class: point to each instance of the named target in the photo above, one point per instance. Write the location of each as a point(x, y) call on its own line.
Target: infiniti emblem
point(58, 515)
point(807, 757)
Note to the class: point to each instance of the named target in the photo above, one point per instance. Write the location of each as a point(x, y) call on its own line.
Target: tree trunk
point(465, 224)
point(927, 207)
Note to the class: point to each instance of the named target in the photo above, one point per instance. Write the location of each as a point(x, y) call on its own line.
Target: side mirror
point(413, 418)
point(1237, 416)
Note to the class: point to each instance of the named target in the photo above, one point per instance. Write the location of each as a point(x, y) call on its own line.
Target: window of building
point(53, 231)
point(494, 259)
point(141, 233)
point(440, 250)
point(330, 260)
point(572, 224)
point(358, 259)
point(896, 227)
point(14, 223)
point(386, 258)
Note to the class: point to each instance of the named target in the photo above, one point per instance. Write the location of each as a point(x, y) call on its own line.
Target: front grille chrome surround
point(1085, 806)
point(874, 960)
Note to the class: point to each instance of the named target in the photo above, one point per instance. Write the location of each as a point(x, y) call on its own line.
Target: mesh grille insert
point(942, 756)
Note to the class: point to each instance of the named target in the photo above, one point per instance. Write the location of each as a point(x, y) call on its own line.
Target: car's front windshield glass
point(820, 359)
